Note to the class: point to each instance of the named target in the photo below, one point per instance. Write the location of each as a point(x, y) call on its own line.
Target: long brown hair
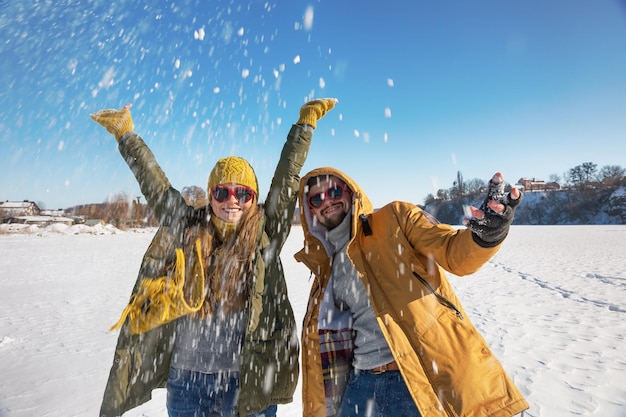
point(229, 265)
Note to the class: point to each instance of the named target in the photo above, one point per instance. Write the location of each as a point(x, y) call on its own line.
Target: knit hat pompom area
point(233, 169)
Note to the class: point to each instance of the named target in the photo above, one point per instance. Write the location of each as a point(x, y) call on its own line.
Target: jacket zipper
point(440, 298)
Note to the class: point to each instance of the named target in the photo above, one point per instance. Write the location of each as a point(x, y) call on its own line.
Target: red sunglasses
point(334, 193)
point(221, 193)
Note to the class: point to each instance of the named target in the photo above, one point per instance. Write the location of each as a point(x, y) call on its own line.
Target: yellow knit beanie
point(233, 169)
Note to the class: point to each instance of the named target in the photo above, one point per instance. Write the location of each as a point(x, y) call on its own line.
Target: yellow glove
point(314, 110)
point(116, 122)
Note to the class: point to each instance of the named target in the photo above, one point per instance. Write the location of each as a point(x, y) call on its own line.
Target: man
point(384, 334)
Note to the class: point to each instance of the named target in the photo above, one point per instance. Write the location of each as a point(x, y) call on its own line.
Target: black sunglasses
point(334, 193)
point(221, 193)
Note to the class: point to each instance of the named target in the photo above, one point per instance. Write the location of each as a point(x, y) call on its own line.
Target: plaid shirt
point(336, 351)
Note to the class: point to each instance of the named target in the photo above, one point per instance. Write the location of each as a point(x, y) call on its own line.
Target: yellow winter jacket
point(401, 253)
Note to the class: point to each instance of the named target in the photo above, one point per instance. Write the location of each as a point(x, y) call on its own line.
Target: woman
point(209, 316)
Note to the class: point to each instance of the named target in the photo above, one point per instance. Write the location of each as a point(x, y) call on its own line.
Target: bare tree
point(460, 184)
point(443, 194)
point(119, 210)
point(554, 178)
point(589, 168)
point(194, 196)
point(474, 185)
point(612, 174)
point(577, 176)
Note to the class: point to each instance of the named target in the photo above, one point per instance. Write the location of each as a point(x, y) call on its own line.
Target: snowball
point(308, 18)
point(199, 34)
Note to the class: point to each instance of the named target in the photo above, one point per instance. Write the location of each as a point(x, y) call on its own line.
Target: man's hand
point(490, 223)
point(314, 110)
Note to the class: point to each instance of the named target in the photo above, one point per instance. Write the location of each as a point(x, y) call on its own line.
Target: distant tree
point(611, 174)
point(459, 183)
point(137, 215)
point(443, 194)
point(119, 212)
point(474, 186)
point(430, 198)
point(566, 181)
point(194, 196)
point(453, 191)
point(554, 178)
point(457, 189)
point(577, 176)
point(589, 168)
point(93, 211)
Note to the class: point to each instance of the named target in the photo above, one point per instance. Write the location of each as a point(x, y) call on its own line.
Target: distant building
point(58, 212)
point(28, 212)
point(19, 208)
point(533, 184)
point(41, 221)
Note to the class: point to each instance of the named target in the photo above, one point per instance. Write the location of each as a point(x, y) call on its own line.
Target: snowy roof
point(16, 204)
point(43, 219)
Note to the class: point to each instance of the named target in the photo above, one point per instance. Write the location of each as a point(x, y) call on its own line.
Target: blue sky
point(531, 88)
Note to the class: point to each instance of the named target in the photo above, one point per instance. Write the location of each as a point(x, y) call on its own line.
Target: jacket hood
point(314, 234)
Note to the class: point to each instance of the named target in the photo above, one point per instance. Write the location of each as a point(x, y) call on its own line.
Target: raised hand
point(314, 110)
point(116, 122)
point(491, 222)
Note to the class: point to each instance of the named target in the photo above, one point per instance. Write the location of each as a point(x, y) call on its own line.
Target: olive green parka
point(400, 254)
point(270, 347)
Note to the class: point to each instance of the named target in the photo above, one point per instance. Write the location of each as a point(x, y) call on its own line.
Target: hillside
point(601, 206)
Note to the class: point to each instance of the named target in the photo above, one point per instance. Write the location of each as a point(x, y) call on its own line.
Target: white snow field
point(551, 304)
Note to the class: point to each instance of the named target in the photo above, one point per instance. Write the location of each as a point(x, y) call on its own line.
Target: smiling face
point(329, 200)
point(231, 208)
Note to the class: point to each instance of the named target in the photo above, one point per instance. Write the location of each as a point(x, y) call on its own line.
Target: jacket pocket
point(440, 298)
point(463, 371)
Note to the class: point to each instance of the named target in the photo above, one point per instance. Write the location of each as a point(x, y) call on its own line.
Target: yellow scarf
point(161, 300)
point(223, 229)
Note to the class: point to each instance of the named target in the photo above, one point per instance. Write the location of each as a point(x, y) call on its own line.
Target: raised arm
point(280, 203)
point(162, 198)
point(464, 251)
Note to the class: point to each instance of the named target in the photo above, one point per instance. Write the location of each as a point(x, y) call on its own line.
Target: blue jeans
point(195, 394)
point(377, 395)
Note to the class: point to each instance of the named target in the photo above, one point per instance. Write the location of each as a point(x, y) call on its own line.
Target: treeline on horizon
point(124, 211)
point(582, 177)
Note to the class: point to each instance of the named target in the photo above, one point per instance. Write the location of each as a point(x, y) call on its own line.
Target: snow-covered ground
point(550, 304)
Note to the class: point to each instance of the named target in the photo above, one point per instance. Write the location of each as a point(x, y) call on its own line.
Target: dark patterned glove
point(493, 227)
